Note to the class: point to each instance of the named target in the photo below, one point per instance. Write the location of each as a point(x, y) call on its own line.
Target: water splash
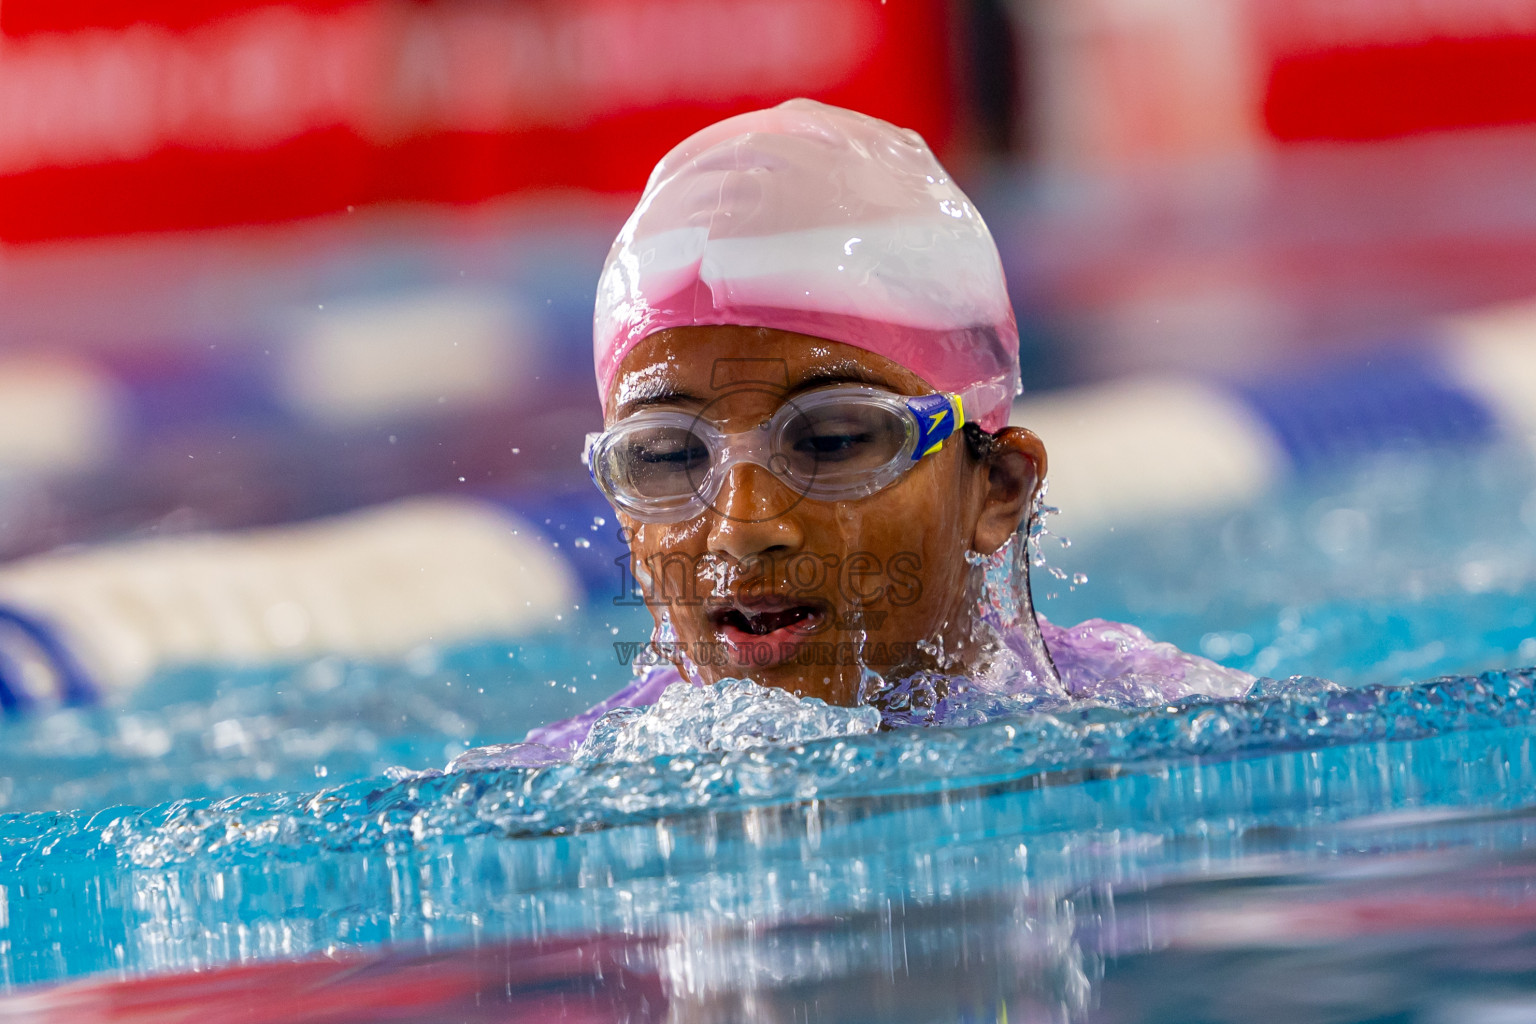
point(1038, 532)
point(664, 639)
point(1017, 658)
point(731, 715)
point(560, 798)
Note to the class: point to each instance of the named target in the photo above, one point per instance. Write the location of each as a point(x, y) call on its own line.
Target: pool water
point(1317, 852)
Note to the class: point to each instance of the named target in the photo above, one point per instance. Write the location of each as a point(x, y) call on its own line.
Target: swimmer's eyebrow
point(843, 373)
point(657, 394)
point(663, 393)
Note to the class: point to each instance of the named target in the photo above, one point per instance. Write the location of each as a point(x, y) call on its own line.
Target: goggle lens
point(832, 445)
point(835, 445)
point(657, 463)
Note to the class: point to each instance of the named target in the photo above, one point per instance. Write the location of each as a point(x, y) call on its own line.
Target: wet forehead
point(743, 371)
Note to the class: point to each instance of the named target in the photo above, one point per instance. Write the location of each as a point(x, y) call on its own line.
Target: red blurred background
point(203, 207)
point(161, 116)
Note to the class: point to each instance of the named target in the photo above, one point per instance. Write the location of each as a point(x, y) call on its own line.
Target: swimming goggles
point(836, 443)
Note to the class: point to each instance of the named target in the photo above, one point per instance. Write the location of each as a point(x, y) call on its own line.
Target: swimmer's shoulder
point(1100, 657)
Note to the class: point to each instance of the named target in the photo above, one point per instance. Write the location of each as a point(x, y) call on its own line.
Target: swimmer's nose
point(754, 515)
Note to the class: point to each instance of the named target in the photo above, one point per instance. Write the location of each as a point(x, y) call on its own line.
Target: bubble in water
point(581, 542)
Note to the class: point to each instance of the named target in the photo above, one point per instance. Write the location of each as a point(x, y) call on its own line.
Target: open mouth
point(764, 623)
point(765, 633)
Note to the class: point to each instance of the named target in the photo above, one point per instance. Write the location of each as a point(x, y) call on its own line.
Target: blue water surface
point(1077, 864)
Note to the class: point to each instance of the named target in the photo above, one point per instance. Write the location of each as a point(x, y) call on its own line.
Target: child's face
point(787, 590)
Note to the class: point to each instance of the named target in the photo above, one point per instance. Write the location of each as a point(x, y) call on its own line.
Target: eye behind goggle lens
point(834, 446)
point(831, 448)
point(656, 462)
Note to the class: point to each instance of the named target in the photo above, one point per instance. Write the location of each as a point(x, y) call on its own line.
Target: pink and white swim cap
point(821, 221)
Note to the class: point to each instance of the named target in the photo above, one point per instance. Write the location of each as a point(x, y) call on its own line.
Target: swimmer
point(807, 357)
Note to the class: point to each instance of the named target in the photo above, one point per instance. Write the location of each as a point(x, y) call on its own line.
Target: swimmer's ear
point(1015, 464)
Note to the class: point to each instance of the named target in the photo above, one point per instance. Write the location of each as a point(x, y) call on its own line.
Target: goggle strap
point(938, 417)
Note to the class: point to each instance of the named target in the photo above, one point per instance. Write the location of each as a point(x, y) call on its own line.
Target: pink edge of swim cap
point(822, 221)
